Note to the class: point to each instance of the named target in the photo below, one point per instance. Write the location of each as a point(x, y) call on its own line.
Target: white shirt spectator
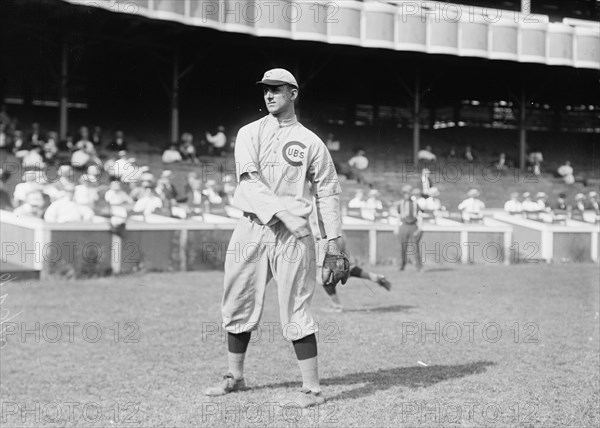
point(566, 172)
point(359, 162)
point(530, 206)
point(471, 207)
point(171, 156)
point(426, 155)
point(513, 206)
point(64, 210)
point(23, 189)
point(147, 204)
point(79, 158)
point(431, 204)
point(85, 195)
point(33, 159)
point(219, 140)
point(117, 197)
point(356, 202)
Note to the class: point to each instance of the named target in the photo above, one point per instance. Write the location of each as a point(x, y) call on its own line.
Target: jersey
point(294, 166)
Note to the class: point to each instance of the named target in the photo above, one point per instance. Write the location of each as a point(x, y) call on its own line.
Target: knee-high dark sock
point(306, 352)
point(237, 345)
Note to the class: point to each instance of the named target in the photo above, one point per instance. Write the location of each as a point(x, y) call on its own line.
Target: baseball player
point(281, 167)
point(409, 230)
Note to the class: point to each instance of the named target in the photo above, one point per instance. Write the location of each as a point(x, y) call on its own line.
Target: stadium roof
point(426, 26)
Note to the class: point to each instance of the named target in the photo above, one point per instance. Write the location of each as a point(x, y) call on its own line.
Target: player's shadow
point(367, 383)
point(392, 308)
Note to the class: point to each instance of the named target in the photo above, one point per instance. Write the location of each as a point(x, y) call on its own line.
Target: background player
point(409, 230)
point(282, 170)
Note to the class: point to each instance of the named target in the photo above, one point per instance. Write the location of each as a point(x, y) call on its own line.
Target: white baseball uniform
point(295, 169)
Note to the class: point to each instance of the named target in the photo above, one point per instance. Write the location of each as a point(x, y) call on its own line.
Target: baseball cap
point(278, 76)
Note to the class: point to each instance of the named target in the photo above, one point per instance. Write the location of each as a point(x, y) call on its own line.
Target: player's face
point(279, 99)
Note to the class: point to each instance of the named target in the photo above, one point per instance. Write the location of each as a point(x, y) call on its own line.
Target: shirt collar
point(284, 123)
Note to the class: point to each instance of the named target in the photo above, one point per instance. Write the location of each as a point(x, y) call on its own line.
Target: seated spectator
point(86, 193)
point(541, 199)
point(50, 147)
point(561, 203)
point(513, 206)
point(469, 156)
point(452, 153)
point(529, 206)
point(211, 193)
point(187, 149)
point(80, 159)
point(332, 144)
point(358, 200)
point(432, 203)
point(34, 138)
point(501, 164)
point(217, 143)
point(425, 156)
point(471, 209)
point(149, 202)
point(171, 155)
point(426, 183)
point(5, 200)
point(66, 178)
point(140, 182)
point(4, 139)
point(227, 193)
point(65, 210)
point(372, 205)
point(33, 207)
point(579, 207)
point(357, 165)
point(194, 195)
point(33, 159)
point(118, 143)
point(97, 137)
point(20, 148)
point(31, 183)
point(120, 167)
point(566, 172)
point(535, 160)
point(593, 203)
point(165, 187)
point(119, 202)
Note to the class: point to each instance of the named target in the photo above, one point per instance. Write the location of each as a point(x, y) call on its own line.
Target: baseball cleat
point(227, 385)
point(382, 280)
point(307, 398)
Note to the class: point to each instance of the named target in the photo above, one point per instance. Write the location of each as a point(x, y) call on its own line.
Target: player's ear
point(293, 92)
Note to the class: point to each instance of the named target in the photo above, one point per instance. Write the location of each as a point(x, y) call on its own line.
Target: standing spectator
point(579, 207)
point(20, 149)
point(118, 143)
point(471, 209)
point(119, 203)
point(593, 201)
point(372, 205)
point(513, 206)
point(171, 155)
point(66, 178)
point(187, 148)
point(566, 172)
point(121, 167)
point(333, 145)
point(217, 143)
point(426, 183)
point(561, 203)
point(501, 164)
point(211, 193)
point(408, 230)
point(165, 187)
point(33, 206)
point(65, 210)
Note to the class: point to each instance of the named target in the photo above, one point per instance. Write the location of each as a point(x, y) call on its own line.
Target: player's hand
point(295, 224)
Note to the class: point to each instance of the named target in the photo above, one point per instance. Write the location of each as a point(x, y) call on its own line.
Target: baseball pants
point(408, 240)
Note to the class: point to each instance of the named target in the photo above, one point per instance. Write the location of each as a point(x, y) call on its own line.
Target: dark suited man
point(408, 230)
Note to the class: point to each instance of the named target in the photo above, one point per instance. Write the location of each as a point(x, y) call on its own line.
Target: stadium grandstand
point(506, 78)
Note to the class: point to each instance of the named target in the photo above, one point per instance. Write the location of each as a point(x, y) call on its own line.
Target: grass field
point(379, 365)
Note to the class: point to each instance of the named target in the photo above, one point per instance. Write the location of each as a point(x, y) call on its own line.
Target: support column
point(64, 81)
point(175, 98)
point(522, 130)
point(416, 119)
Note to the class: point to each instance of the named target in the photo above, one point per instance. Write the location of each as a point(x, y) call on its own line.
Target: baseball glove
point(336, 268)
